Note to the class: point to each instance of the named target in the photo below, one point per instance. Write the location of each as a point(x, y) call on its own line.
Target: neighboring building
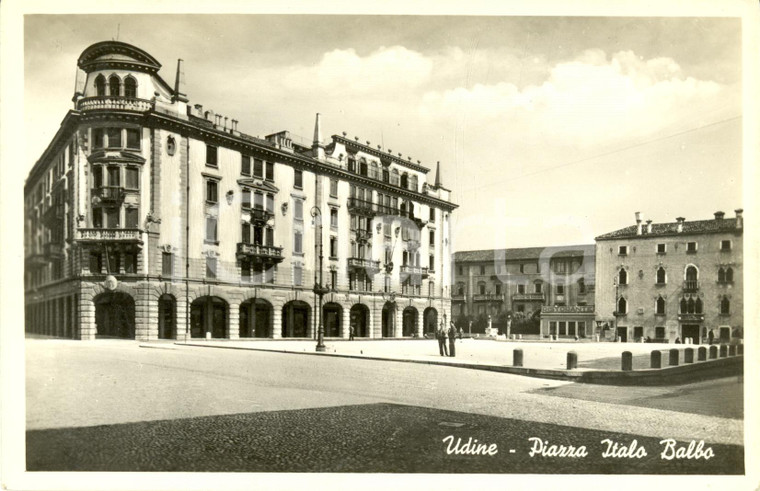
point(148, 218)
point(557, 281)
point(672, 280)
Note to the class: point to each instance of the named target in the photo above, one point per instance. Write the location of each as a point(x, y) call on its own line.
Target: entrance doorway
point(167, 324)
point(295, 319)
point(389, 311)
point(622, 333)
point(115, 315)
point(430, 317)
point(255, 319)
point(360, 320)
point(208, 315)
point(409, 326)
point(690, 331)
point(331, 314)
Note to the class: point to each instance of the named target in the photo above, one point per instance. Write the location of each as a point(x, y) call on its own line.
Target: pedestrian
point(678, 340)
point(460, 333)
point(452, 338)
point(441, 335)
point(351, 332)
point(710, 336)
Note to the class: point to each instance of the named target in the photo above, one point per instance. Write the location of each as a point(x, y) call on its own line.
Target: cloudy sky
point(549, 130)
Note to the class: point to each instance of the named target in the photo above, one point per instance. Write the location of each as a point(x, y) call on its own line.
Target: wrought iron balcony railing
point(368, 265)
point(114, 103)
point(260, 252)
point(528, 296)
point(487, 297)
point(109, 235)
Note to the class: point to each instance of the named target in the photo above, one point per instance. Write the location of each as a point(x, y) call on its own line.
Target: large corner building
point(149, 217)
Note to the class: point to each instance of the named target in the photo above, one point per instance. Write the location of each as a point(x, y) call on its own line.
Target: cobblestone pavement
point(358, 438)
point(71, 383)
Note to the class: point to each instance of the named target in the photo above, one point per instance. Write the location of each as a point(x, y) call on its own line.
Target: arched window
point(725, 306)
point(413, 183)
point(395, 180)
point(100, 86)
point(721, 275)
point(404, 180)
point(581, 286)
point(684, 306)
point(692, 274)
point(622, 305)
point(729, 275)
point(363, 169)
point(374, 173)
point(130, 87)
point(661, 275)
point(690, 306)
point(622, 277)
point(113, 85)
point(482, 288)
point(698, 306)
point(460, 289)
point(660, 305)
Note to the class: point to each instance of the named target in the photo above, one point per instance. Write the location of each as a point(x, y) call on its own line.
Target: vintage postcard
point(495, 247)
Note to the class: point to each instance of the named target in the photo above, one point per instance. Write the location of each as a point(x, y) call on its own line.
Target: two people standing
point(443, 335)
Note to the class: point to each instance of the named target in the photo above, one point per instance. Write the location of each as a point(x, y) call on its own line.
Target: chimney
point(179, 84)
point(649, 226)
point(739, 218)
point(199, 110)
point(318, 145)
point(438, 174)
point(719, 215)
point(225, 122)
point(638, 223)
point(679, 227)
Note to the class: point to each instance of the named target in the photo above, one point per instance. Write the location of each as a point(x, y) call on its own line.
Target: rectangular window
point(132, 175)
point(431, 238)
point(246, 201)
point(622, 250)
point(387, 229)
point(211, 235)
point(691, 247)
point(114, 176)
point(334, 188)
point(661, 248)
point(112, 217)
point(130, 218)
point(97, 176)
point(297, 275)
point(521, 289)
point(258, 168)
point(560, 289)
point(211, 156)
point(562, 328)
point(270, 203)
point(258, 235)
point(725, 245)
point(538, 287)
point(167, 264)
point(298, 242)
point(270, 171)
point(334, 218)
point(270, 236)
point(333, 247)
point(298, 209)
point(212, 191)
point(245, 165)
point(96, 263)
point(482, 270)
point(211, 268)
point(258, 200)
point(114, 137)
point(97, 217)
point(245, 233)
point(133, 138)
point(130, 262)
point(461, 271)
point(114, 262)
point(98, 138)
point(659, 332)
point(333, 280)
point(521, 308)
point(298, 179)
point(432, 215)
point(431, 263)
point(245, 271)
point(498, 289)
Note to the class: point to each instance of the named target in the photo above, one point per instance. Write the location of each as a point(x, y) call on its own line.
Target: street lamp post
point(318, 289)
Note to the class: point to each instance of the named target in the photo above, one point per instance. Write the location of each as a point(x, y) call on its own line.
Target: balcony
point(122, 235)
point(53, 214)
point(363, 236)
point(112, 103)
point(427, 272)
point(409, 269)
point(53, 250)
point(457, 298)
point(488, 297)
point(368, 265)
point(109, 194)
point(260, 216)
point(691, 317)
point(567, 309)
point(691, 286)
point(412, 245)
point(35, 261)
point(260, 253)
point(361, 207)
point(528, 297)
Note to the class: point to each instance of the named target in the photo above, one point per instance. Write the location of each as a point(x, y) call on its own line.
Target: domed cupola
point(117, 55)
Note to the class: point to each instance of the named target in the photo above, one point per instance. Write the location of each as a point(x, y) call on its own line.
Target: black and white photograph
point(258, 248)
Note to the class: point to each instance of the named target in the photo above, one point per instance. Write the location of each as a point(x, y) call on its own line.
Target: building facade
point(147, 217)
point(666, 281)
point(557, 283)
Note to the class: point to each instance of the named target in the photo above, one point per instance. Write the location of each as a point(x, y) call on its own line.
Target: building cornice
point(378, 153)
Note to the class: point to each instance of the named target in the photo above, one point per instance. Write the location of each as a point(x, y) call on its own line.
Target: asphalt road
point(110, 405)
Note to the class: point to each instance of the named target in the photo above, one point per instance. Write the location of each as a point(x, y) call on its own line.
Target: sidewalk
point(599, 362)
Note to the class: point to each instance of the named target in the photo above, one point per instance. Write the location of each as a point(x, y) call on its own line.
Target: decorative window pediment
point(115, 156)
point(259, 184)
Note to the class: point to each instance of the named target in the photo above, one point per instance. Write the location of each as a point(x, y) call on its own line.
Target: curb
point(721, 367)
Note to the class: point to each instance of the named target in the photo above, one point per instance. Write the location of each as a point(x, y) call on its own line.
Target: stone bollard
point(723, 351)
point(688, 355)
point(572, 360)
point(713, 352)
point(740, 349)
point(627, 361)
point(519, 336)
point(513, 337)
point(701, 353)
point(656, 359)
point(673, 361)
point(517, 358)
point(732, 350)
